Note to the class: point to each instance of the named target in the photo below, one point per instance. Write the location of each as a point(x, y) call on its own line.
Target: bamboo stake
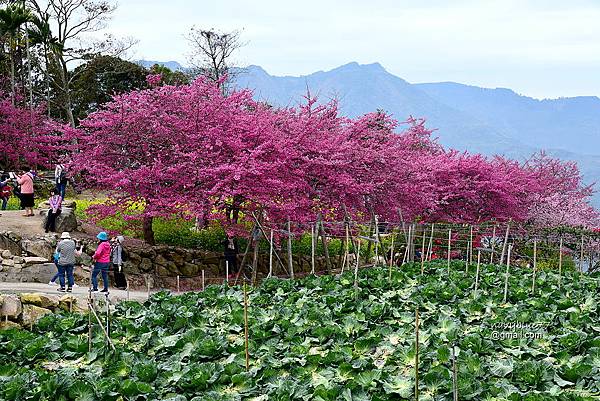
point(376, 241)
point(454, 376)
point(227, 271)
point(289, 243)
point(581, 255)
point(506, 275)
point(560, 261)
point(271, 255)
point(347, 254)
point(493, 245)
point(471, 245)
point(477, 274)
point(412, 242)
point(260, 227)
point(534, 265)
point(246, 327)
point(505, 243)
point(102, 326)
point(407, 250)
point(423, 252)
point(430, 246)
point(202, 280)
point(178, 288)
point(417, 353)
point(356, 265)
point(107, 316)
point(90, 319)
point(391, 258)
point(449, 238)
point(312, 249)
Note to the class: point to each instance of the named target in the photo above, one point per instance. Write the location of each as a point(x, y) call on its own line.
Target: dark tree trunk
point(148, 231)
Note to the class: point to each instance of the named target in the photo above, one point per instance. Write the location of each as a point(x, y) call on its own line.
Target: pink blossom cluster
point(28, 138)
point(193, 152)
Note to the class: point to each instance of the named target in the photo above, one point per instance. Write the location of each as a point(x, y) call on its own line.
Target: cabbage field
point(327, 338)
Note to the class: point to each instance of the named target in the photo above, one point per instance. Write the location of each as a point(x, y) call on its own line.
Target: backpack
point(6, 191)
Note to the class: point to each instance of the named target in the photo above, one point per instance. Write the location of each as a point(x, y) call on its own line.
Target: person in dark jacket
point(230, 252)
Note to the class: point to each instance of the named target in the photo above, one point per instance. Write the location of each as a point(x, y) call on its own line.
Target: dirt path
point(13, 220)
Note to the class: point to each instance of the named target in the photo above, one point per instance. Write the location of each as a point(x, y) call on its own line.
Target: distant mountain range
point(488, 121)
point(172, 65)
point(467, 118)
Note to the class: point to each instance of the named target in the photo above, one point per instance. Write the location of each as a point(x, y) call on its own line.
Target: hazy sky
point(540, 48)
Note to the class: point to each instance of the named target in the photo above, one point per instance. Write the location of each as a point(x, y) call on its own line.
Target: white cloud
point(542, 48)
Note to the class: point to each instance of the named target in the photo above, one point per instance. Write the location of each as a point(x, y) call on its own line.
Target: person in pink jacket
point(27, 200)
point(101, 262)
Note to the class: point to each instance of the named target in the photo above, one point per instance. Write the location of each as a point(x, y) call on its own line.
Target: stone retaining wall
point(157, 265)
point(26, 309)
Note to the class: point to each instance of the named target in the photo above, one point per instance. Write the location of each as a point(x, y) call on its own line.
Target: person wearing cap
point(67, 250)
point(101, 262)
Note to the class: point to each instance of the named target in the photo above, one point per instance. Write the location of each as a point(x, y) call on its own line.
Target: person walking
point(67, 250)
point(55, 202)
point(27, 197)
point(101, 262)
point(60, 179)
point(117, 262)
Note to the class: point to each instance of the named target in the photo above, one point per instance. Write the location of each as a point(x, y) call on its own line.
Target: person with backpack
point(27, 192)
point(55, 202)
point(101, 262)
point(117, 259)
point(60, 179)
point(67, 250)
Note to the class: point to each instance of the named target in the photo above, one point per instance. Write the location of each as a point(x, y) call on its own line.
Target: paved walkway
point(13, 220)
point(79, 292)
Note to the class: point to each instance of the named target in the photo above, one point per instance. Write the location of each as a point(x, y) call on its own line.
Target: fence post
point(449, 238)
point(430, 246)
point(493, 241)
point(246, 327)
point(477, 274)
point(454, 376)
point(289, 241)
point(423, 252)
point(391, 258)
point(271, 255)
point(506, 275)
point(581, 255)
point(417, 353)
point(560, 261)
point(356, 265)
point(505, 243)
point(534, 265)
point(312, 249)
point(471, 245)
